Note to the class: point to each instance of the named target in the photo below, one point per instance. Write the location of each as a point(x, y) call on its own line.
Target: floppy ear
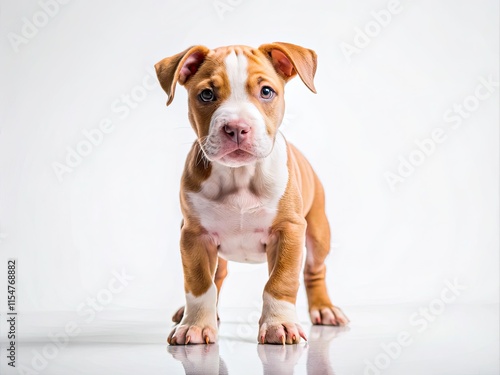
point(289, 60)
point(179, 68)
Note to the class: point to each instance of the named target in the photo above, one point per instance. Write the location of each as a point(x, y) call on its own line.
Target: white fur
point(237, 217)
point(275, 311)
point(237, 72)
point(201, 311)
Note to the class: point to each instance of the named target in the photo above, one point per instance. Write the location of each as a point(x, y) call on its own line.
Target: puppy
point(247, 195)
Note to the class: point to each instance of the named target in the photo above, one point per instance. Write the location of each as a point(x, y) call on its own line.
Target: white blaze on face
point(237, 72)
point(237, 107)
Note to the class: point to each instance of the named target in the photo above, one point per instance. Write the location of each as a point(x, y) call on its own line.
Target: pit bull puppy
point(247, 195)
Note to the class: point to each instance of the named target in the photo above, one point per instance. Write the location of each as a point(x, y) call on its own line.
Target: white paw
point(328, 315)
point(199, 322)
point(281, 333)
point(279, 323)
point(196, 333)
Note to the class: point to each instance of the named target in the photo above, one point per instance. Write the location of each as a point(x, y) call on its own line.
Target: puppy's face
point(236, 95)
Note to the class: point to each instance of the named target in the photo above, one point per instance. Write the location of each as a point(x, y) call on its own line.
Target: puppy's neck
point(264, 178)
point(226, 180)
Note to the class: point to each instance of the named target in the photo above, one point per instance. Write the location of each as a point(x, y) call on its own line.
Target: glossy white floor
point(434, 339)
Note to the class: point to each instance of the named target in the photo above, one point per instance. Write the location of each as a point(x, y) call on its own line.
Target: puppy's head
point(236, 95)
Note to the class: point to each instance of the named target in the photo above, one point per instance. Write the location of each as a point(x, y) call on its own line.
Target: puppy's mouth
point(237, 157)
point(238, 153)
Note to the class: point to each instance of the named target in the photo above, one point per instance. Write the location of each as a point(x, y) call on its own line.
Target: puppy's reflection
point(318, 358)
point(276, 359)
point(281, 360)
point(199, 359)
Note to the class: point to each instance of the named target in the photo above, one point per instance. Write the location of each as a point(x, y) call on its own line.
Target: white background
point(118, 209)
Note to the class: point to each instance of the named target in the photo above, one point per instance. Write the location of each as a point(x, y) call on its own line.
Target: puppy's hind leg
point(321, 309)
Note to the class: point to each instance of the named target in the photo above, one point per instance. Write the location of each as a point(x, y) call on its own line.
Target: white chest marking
point(237, 206)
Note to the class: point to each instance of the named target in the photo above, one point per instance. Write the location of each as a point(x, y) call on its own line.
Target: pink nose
point(237, 132)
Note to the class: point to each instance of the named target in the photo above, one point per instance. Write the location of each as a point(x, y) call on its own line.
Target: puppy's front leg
point(279, 323)
point(199, 260)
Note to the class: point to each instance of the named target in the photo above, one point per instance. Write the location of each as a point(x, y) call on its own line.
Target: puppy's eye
point(267, 93)
point(207, 95)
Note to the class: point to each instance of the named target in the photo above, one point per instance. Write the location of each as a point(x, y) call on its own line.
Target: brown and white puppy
point(246, 194)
